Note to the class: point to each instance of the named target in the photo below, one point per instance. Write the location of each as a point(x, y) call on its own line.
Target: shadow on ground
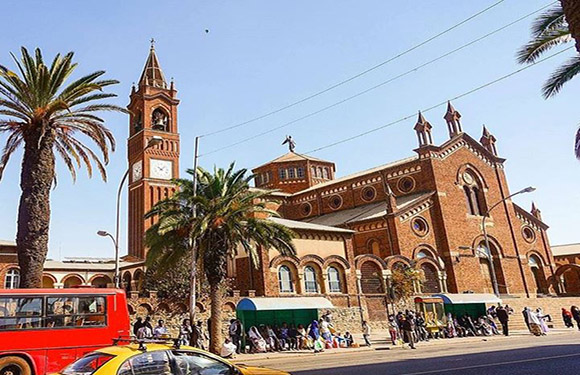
point(545, 359)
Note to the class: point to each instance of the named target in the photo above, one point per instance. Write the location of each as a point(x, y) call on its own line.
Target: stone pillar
point(440, 278)
point(362, 311)
point(324, 287)
point(300, 283)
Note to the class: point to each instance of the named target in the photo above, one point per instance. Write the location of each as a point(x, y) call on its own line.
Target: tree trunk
point(36, 180)
point(216, 318)
point(572, 14)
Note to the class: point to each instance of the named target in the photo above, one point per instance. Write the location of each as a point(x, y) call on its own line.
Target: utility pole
point(193, 241)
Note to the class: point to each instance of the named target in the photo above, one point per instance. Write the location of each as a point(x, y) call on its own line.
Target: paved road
point(555, 354)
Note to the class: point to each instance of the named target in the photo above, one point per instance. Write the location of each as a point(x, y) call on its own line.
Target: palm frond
point(542, 43)
point(561, 76)
point(550, 20)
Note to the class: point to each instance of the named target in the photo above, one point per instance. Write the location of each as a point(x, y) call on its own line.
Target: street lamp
point(153, 141)
point(489, 256)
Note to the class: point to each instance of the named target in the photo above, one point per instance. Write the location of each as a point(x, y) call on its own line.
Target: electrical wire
point(390, 80)
point(332, 87)
point(437, 105)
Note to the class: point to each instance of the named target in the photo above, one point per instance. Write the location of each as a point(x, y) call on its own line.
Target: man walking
point(408, 329)
point(504, 318)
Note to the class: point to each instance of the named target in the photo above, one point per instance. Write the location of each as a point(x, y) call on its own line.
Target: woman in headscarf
point(567, 317)
point(534, 321)
point(258, 342)
point(542, 319)
point(314, 335)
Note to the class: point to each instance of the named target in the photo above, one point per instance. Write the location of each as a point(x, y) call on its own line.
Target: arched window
point(319, 172)
point(371, 278)
point(423, 254)
point(12, 279)
point(431, 282)
point(474, 195)
point(375, 247)
point(325, 173)
point(535, 264)
point(285, 280)
point(334, 280)
point(159, 120)
point(310, 282)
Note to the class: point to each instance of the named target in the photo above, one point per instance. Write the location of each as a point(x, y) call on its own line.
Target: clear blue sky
point(260, 55)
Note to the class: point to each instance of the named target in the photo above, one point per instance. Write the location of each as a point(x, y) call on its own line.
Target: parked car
point(158, 359)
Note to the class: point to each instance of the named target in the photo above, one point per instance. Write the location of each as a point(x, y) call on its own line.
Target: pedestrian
point(314, 335)
point(160, 331)
point(393, 329)
point(576, 314)
point(198, 336)
point(228, 349)
point(235, 332)
point(408, 329)
point(542, 319)
point(145, 332)
point(366, 332)
point(185, 332)
point(534, 322)
point(137, 325)
point(526, 316)
point(504, 318)
point(567, 317)
point(147, 322)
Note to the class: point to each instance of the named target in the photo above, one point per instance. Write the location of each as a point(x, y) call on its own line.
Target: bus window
point(75, 311)
point(20, 312)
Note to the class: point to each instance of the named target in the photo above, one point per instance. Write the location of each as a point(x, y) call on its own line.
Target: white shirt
point(228, 349)
point(144, 333)
point(158, 332)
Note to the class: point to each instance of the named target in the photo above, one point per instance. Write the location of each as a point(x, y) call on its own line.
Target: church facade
point(426, 212)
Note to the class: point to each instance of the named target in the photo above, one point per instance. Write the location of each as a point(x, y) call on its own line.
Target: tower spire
point(488, 141)
point(152, 74)
point(453, 117)
point(423, 129)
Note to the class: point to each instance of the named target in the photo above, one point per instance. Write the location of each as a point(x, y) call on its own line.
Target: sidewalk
point(379, 342)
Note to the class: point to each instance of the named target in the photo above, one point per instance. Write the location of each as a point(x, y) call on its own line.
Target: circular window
point(335, 202)
point(368, 193)
point(528, 234)
point(306, 209)
point(468, 178)
point(406, 184)
point(419, 226)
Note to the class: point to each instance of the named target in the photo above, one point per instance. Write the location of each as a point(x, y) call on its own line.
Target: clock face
point(162, 169)
point(137, 171)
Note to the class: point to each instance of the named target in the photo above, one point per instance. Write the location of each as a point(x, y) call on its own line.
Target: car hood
point(249, 370)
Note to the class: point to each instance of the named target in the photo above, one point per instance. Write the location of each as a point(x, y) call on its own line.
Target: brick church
point(424, 212)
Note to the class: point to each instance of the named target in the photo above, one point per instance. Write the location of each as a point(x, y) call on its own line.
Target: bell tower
point(153, 148)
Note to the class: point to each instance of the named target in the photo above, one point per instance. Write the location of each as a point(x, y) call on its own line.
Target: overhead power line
point(438, 104)
point(390, 80)
point(338, 84)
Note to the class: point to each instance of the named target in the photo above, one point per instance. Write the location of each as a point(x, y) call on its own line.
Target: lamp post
point(488, 254)
point(153, 141)
point(193, 271)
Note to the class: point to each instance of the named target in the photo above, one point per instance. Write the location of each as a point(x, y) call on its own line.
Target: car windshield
point(87, 364)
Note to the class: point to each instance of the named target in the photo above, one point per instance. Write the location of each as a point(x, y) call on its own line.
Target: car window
point(88, 364)
point(150, 363)
point(191, 363)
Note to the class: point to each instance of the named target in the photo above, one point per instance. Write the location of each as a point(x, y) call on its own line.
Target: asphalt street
point(554, 354)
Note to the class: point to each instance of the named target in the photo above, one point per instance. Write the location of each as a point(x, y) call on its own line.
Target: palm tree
point(572, 12)
point(549, 30)
point(230, 217)
point(45, 117)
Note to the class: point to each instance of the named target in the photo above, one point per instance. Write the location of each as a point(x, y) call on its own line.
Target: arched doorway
point(73, 281)
point(48, 281)
point(101, 281)
point(431, 283)
point(371, 278)
point(127, 281)
point(537, 267)
point(569, 279)
point(491, 258)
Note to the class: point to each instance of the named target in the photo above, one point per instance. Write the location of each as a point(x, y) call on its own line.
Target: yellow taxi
point(146, 358)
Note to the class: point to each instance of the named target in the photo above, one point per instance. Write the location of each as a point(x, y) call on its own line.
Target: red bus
point(43, 330)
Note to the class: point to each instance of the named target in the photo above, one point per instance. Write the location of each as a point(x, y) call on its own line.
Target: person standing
point(137, 326)
point(393, 329)
point(160, 331)
point(408, 329)
point(567, 317)
point(576, 314)
point(235, 332)
point(366, 332)
point(185, 332)
point(526, 316)
point(504, 318)
point(198, 336)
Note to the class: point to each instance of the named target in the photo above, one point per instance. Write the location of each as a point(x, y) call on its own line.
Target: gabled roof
point(301, 225)
point(530, 217)
point(152, 74)
point(368, 211)
point(567, 249)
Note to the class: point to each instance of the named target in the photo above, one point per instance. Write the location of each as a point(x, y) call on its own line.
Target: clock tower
point(153, 115)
